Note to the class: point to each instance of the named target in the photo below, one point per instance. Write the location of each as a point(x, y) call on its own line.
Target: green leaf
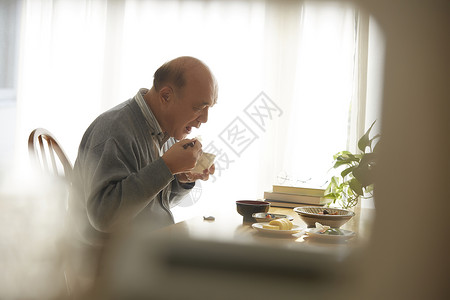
point(337, 164)
point(332, 186)
point(356, 186)
point(347, 171)
point(373, 139)
point(369, 188)
point(364, 141)
point(329, 189)
point(340, 154)
point(331, 196)
point(345, 159)
point(377, 146)
point(377, 136)
point(335, 180)
point(364, 173)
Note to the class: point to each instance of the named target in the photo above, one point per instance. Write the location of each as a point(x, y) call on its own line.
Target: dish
point(247, 208)
point(335, 218)
point(319, 211)
point(266, 217)
point(260, 228)
point(315, 233)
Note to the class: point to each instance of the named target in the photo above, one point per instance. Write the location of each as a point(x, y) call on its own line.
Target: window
point(9, 21)
point(298, 58)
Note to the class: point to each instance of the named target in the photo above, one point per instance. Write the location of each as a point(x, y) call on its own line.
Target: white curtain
point(79, 58)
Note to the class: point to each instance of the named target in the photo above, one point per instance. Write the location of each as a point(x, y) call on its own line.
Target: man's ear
point(165, 94)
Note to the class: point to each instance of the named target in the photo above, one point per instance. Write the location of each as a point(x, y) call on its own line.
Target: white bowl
point(312, 214)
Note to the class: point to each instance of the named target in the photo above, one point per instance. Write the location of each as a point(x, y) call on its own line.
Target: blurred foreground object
point(31, 239)
point(182, 268)
point(408, 254)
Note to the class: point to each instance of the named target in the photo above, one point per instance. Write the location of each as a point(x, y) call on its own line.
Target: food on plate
point(334, 231)
point(283, 224)
point(273, 227)
point(324, 229)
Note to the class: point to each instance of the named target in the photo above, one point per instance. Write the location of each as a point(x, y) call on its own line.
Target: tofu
point(283, 224)
point(273, 227)
point(205, 162)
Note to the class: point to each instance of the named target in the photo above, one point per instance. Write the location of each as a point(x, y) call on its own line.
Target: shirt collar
point(155, 129)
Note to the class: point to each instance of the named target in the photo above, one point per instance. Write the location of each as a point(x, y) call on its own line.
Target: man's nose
point(203, 118)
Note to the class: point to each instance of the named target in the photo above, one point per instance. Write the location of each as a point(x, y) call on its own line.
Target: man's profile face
point(189, 106)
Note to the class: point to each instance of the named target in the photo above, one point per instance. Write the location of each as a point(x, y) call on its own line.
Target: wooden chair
point(43, 154)
point(42, 147)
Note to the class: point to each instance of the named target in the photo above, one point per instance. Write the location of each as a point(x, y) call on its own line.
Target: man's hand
point(183, 155)
point(190, 177)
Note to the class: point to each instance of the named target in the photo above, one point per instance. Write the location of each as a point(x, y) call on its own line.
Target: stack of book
point(290, 197)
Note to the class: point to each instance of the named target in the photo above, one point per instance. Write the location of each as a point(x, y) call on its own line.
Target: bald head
point(183, 70)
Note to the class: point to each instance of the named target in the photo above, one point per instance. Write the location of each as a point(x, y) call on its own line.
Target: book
point(298, 190)
point(315, 200)
point(284, 204)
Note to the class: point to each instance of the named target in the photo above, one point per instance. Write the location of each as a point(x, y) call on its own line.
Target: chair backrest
point(42, 147)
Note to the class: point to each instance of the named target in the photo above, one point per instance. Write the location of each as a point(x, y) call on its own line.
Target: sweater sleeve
point(116, 189)
point(179, 191)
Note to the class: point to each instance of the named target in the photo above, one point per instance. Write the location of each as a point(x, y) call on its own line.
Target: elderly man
point(134, 162)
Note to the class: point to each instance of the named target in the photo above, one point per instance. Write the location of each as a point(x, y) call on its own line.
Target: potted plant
point(356, 177)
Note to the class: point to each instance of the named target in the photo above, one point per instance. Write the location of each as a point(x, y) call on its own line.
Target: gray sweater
point(119, 177)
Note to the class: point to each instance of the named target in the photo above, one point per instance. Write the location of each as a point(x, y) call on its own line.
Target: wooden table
point(228, 227)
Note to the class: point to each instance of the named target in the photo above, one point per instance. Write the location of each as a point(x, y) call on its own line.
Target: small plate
point(315, 233)
point(267, 217)
point(259, 227)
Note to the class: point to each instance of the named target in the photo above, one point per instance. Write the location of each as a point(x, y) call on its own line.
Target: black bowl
point(247, 208)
